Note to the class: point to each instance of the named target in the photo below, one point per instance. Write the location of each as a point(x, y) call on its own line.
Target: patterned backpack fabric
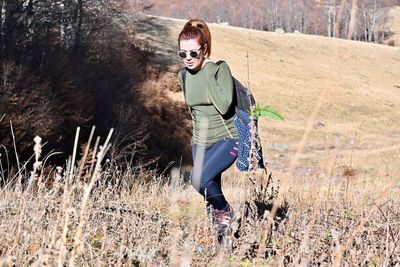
point(250, 155)
point(249, 141)
point(246, 139)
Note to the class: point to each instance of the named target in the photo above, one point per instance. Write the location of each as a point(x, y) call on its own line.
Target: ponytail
point(197, 28)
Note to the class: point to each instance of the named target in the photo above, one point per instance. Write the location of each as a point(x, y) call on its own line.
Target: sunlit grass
point(136, 217)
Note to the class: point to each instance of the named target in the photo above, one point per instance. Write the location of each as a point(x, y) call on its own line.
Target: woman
point(209, 92)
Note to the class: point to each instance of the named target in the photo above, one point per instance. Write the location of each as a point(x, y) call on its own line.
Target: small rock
point(279, 30)
point(319, 124)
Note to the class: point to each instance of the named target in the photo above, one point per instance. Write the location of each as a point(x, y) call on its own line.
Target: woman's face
point(192, 53)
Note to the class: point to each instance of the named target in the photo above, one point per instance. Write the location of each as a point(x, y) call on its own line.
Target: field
point(334, 195)
point(343, 95)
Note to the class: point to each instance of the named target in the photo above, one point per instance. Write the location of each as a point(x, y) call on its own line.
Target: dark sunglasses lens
point(194, 54)
point(182, 54)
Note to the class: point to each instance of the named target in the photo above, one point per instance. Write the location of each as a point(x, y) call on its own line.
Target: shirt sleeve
point(220, 86)
point(180, 79)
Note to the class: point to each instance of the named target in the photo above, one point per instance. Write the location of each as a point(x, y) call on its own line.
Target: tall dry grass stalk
point(16, 155)
point(134, 217)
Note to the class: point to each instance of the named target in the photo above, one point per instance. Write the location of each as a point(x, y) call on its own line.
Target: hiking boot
point(223, 219)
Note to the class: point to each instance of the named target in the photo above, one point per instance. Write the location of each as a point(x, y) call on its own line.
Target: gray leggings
point(208, 165)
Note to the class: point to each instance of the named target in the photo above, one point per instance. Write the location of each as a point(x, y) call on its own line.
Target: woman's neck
point(201, 65)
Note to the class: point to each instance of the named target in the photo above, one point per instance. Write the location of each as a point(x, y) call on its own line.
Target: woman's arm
point(180, 79)
point(220, 86)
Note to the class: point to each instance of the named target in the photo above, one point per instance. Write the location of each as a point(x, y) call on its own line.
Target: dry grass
point(155, 224)
point(115, 218)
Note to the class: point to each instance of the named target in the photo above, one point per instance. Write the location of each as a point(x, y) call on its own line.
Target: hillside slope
point(352, 88)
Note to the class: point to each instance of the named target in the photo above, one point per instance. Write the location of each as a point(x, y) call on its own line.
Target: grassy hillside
point(343, 95)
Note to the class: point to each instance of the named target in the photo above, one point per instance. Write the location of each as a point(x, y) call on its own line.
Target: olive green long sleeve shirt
point(210, 94)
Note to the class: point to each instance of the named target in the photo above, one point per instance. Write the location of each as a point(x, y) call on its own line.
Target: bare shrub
point(72, 64)
point(170, 119)
point(29, 103)
point(391, 43)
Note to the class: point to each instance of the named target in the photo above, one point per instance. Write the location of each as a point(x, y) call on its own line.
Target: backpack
point(244, 102)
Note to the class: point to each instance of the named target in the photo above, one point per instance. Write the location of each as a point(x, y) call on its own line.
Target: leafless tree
point(354, 19)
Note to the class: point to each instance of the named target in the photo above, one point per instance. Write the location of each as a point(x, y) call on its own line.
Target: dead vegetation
point(80, 64)
point(136, 218)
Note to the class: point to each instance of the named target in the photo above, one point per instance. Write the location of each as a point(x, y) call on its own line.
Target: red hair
point(197, 29)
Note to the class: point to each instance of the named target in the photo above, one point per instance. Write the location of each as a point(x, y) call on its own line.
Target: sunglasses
point(194, 53)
